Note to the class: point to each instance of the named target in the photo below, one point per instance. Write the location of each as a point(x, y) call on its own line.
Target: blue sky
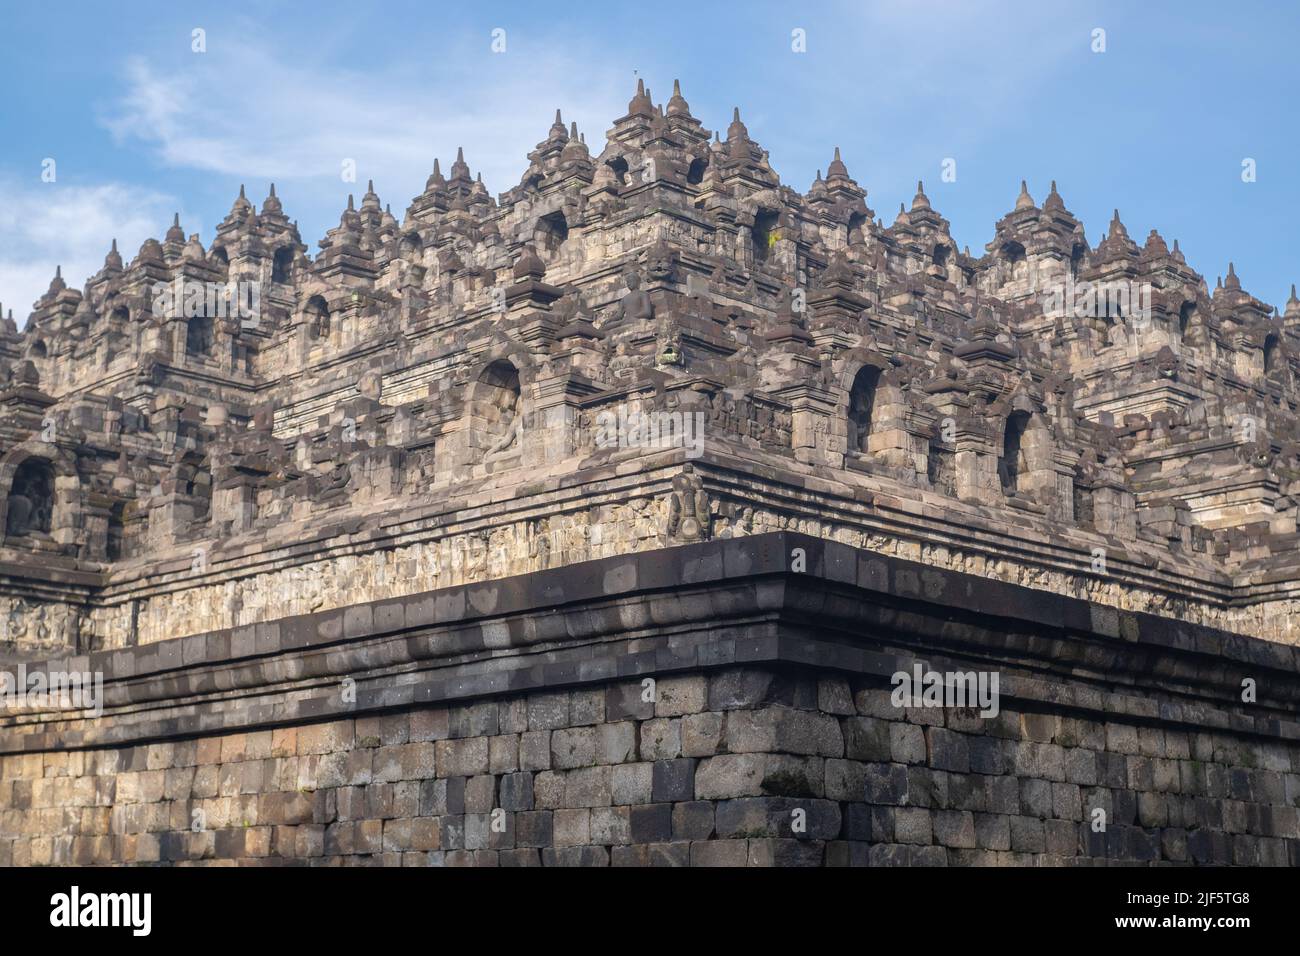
point(140, 126)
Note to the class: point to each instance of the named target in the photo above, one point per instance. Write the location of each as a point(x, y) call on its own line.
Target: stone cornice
point(708, 605)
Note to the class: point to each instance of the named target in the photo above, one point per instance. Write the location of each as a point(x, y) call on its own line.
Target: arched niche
point(551, 234)
point(199, 336)
point(862, 407)
point(35, 512)
point(31, 499)
point(282, 265)
point(763, 234)
point(1013, 463)
point(496, 409)
point(316, 315)
point(1272, 342)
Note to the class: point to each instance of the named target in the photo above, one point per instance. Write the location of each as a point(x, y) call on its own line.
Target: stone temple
point(589, 525)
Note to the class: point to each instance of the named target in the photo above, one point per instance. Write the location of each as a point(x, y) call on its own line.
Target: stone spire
point(677, 105)
point(460, 169)
point(1232, 283)
point(176, 233)
point(271, 204)
point(435, 182)
point(1053, 201)
point(558, 131)
point(640, 104)
point(920, 200)
point(1292, 305)
point(737, 131)
point(1024, 200)
point(837, 169)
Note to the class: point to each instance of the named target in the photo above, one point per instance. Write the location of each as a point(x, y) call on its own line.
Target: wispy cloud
point(47, 224)
point(261, 116)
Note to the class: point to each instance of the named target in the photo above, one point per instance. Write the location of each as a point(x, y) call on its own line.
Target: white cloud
point(242, 111)
point(262, 117)
point(47, 224)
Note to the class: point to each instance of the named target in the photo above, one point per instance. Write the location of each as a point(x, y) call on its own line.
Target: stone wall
point(713, 772)
point(696, 706)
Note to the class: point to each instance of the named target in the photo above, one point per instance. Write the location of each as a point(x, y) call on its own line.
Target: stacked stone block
point(729, 767)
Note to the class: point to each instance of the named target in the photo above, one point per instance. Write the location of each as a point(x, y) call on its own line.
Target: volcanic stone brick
point(661, 739)
point(992, 831)
point(778, 817)
point(867, 823)
point(625, 701)
point(512, 716)
point(324, 738)
point(673, 780)
point(651, 823)
point(747, 688)
point(1061, 837)
point(1152, 810)
point(890, 854)
point(517, 791)
point(587, 706)
point(1081, 766)
point(1151, 741)
point(845, 779)
point(1173, 845)
point(680, 695)
point(947, 750)
point(432, 723)
point(927, 788)
point(730, 775)
point(572, 827)
point(503, 753)
point(631, 783)
point(617, 742)
point(368, 836)
point(520, 857)
point(480, 794)
point(1040, 728)
point(651, 854)
point(534, 828)
point(954, 828)
point(1067, 801)
point(1141, 773)
point(587, 787)
point(719, 853)
point(701, 734)
point(610, 825)
point(1122, 738)
point(886, 783)
point(1036, 798)
point(692, 820)
point(907, 743)
point(474, 720)
point(461, 758)
point(548, 789)
point(913, 825)
point(866, 738)
point(835, 697)
point(535, 750)
point(1027, 835)
point(548, 711)
point(573, 747)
